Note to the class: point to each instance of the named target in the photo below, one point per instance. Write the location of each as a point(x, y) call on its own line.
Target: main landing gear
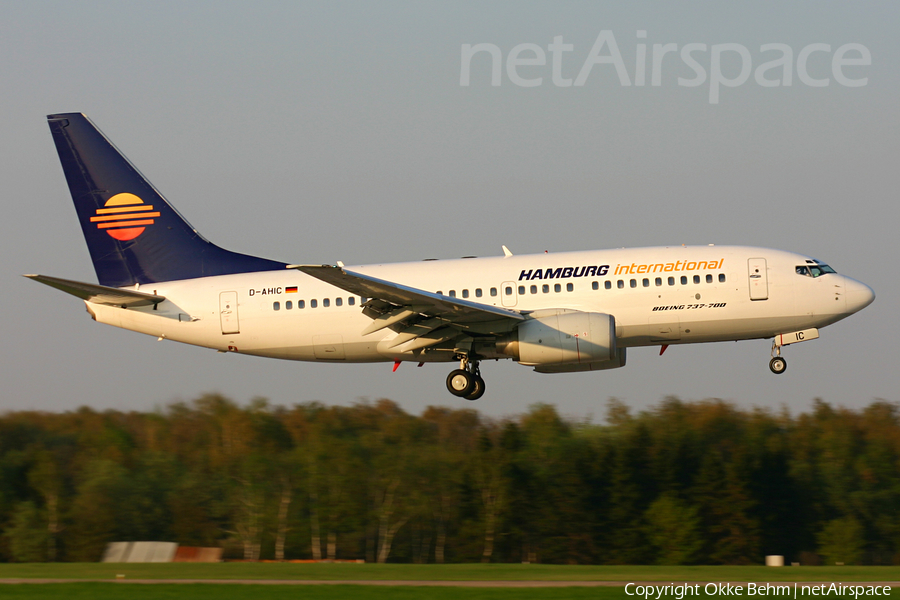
point(466, 381)
point(777, 365)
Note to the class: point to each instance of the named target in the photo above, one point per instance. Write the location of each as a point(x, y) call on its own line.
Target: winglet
point(506, 252)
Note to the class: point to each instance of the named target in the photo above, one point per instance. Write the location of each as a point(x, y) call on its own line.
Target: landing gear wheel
point(461, 383)
point(778, 365)
point(478, 390)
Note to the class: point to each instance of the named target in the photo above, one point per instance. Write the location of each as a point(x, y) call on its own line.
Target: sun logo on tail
point(124, 216)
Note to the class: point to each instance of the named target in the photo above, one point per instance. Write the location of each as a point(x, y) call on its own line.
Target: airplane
point(555, 312)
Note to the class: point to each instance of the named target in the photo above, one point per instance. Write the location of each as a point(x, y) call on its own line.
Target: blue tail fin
point(133, 234)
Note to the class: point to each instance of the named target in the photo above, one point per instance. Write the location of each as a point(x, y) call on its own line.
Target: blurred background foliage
point(682, 483)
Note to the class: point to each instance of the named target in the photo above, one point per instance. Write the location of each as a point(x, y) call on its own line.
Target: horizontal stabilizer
point(99, 294)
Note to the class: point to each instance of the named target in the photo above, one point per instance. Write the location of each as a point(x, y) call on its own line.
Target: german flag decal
point(291, 290)
point(124, 216)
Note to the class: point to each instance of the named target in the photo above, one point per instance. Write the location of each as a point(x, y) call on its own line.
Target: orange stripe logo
point(124, 217)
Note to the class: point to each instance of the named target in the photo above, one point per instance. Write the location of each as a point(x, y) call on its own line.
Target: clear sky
point(317, 132)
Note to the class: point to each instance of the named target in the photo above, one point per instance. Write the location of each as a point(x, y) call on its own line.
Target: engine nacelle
point(565, 337)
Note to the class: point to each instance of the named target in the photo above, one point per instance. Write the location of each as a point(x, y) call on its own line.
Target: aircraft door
point(759, 279)
point(228, 313)
point(508, 293)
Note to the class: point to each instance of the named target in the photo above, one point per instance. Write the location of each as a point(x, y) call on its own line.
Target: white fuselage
point(664, 295)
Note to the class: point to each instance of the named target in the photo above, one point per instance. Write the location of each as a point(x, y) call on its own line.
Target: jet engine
point(562, 340)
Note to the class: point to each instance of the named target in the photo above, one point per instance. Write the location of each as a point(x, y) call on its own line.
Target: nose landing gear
point(466, 381)
point(777, 365)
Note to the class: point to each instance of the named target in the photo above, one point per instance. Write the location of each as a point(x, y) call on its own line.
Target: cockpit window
point(814, 270)
point(820, 269)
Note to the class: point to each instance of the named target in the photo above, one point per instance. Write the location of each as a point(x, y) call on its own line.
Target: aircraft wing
point(99, 294)
point(420, 318)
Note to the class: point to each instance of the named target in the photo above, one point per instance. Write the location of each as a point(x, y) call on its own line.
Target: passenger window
point(453, 293)
point(646, 282)
point(557, 287)
point(301, 303)
point(521, 289)
point(493, 291)
point(607, 284)
point(671, 281)
point(478, 292)
point(326, 303)
point(362, 300)
point(684, 280)
point(570, 287)
point(658, 281)
point(509, 290)
point(595, 285)
point(276, 306)
point(633, 283)
point(721, 277)
point(338, 301)
point(545, 288)
point(534, 289)
point(620, 284)
point(313, 304)
point(351, 300)
point(696, 279)
point(465, 293)
point(288, 305)
point(708, 278)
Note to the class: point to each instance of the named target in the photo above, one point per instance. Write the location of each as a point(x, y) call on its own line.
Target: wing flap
point(389, 318)
point(418, 330)
point(438, 336)
point(99, 294)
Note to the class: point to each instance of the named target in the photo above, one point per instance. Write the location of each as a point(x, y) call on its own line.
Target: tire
point(460, 383)
point(778, 365)
point(478, 390)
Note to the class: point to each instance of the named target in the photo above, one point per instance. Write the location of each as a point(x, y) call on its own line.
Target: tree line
point(680, 483)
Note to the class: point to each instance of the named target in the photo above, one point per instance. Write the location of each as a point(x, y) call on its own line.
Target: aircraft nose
point(858, 295)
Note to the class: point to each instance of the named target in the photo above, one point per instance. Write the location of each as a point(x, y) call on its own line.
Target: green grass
point(164, 591)
point(251, 571)
point(490, 572)
point(111, 591)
